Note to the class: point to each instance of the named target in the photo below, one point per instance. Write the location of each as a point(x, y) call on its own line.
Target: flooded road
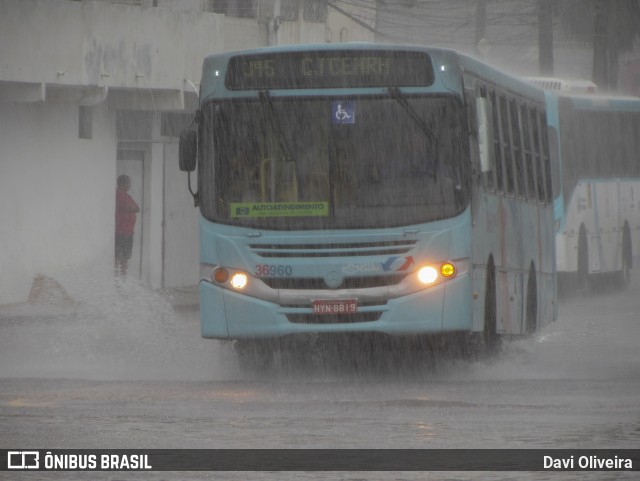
point(129, 371)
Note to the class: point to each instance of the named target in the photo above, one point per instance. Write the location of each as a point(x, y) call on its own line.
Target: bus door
point(481, 154)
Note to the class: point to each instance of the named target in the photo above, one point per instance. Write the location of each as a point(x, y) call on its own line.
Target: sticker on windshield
point(343, 112)
point(279, 209)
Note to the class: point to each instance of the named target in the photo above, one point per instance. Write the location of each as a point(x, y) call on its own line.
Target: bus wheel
point(531, 319)
point(582, 276)
point(490, 335)
point(623, 277)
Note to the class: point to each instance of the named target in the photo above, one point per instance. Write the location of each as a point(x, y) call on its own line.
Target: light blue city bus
point(364, 189)
point(597, 205)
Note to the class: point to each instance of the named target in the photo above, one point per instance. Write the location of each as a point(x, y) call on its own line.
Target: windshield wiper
point(395, 94)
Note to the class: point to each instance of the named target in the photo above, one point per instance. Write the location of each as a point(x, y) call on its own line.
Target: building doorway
point(131, 163)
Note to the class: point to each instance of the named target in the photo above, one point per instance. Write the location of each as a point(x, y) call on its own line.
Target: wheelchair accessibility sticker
point(343, 112)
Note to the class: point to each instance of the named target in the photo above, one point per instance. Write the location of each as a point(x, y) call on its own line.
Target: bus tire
point(582, 274)
point(531, 314)
point(623, 277)
point(490, 334)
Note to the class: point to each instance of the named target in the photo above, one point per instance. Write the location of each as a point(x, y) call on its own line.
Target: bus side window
point(580, 157)
point(633, 152)
point(622, 148)
point(599, 133)
point(537, 149)
point(612, 145)
point(530, 169)
point(634, 159)
point(628, 152)
point(506, 145)
point(546, 159)
point(592, 137)
point(555, 161)
point(516, 143)
point(496, 143)
point(489, 178)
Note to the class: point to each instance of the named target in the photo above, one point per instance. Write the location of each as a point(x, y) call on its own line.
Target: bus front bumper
point(443, 308)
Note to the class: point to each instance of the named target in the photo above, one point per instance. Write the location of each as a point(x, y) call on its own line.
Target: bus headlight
point(239, 280)
point(427, 275)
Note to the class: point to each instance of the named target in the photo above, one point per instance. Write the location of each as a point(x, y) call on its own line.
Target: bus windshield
point(321, 163)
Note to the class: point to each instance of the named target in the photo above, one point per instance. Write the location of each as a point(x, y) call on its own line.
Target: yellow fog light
point(239, 280)
point(220, 275)
point(427, 275)
point(447, 269)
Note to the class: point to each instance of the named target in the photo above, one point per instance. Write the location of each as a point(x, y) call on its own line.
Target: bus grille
point(333, 250)
point(335, 318)
point(319, 283)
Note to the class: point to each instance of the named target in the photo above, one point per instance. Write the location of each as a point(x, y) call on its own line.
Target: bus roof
point(603, 102)
point(308, 47)
point(564, 85)
point(506, 80)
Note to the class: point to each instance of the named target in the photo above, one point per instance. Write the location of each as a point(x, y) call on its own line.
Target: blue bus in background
point(599, 229)
point(597, 204)
point(363, 189)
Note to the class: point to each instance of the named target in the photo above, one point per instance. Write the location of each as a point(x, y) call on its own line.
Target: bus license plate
point(334, 306)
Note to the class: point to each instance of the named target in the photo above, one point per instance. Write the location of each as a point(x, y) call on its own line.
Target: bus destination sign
point(329, 69)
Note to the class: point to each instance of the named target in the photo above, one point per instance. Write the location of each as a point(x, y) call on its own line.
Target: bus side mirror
point(188, 150)
point(485, 133)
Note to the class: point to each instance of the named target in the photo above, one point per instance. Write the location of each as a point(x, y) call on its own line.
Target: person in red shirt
point(126, 210)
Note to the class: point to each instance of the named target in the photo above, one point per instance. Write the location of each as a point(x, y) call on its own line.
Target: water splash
point(117, 330)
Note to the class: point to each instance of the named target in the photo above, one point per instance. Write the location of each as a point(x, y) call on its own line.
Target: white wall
point(60, 50)
point(56, 197)
point(241, 34)
point(57, 190)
